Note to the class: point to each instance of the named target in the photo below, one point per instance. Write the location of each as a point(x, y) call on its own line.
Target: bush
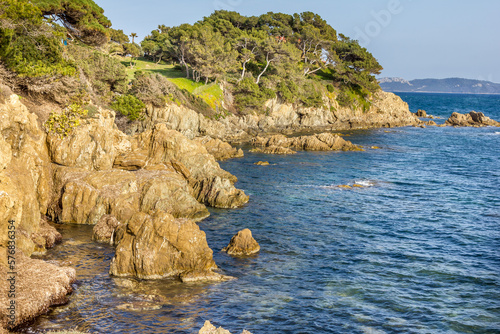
point(62, 124)
point(251, 95)
point(130, 106)
point(152, 88)
point(311, 94)
point(353, 97)
point(288, 90)
point(104, 73)
point(330, 88)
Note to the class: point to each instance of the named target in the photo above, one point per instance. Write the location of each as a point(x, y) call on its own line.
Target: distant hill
point(450, 85)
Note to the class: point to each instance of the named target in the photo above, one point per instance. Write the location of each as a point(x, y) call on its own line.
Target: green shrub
point(130, 106)
point(288, 90)
point(353, 97)
point(251, 95)
point(63, 123)
point(330, 88)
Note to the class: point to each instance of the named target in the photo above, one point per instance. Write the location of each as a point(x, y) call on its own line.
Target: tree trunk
point(243, 71)
point(206, 80)
point(265, 68)
point(161, 55)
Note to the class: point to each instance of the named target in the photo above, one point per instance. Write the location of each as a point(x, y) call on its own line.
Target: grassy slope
point(212, 93)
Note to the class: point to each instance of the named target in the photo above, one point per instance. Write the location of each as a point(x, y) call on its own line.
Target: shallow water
point(417, 250)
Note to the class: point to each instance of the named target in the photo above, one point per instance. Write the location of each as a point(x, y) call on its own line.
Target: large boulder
point(242, 244)
point(158, 245)
point(475, 119)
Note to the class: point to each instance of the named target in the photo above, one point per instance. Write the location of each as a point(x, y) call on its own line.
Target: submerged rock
point(242, 244)
point(38, 285)
point(158, 246)
point(475, 119)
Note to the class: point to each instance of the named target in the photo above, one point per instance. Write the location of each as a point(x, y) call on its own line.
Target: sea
point(415, 249)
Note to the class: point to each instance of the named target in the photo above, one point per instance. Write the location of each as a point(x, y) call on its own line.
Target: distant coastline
point(440, 86)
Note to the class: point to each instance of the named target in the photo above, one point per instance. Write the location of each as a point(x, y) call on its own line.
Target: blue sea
point(415, 250)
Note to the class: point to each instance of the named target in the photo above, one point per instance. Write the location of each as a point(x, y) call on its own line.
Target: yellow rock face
point(262, 163)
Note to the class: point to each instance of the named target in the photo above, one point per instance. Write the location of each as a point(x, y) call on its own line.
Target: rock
point(39, 285)
point(208, 328)
point(345, 186)
point(273, 150)
point(318, 142)
point(93, 145)
point(357, 185)
point(196, 276)
point(387, 110)
point(475, 119)
point(375, 148)
point(262, 163)
point(211, 184)
point(46, 237)
point(87, 196)
point(421, 113)
point(219, 149)
point(158, 245)
point(430, 123)
point(133, 160)
point(219, 193)
point(24, 177)
point(105, 229)
point(242, 244)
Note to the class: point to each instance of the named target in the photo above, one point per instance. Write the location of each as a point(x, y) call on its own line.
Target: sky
point(412, 39)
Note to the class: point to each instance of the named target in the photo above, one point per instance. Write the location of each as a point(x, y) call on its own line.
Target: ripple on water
point(417, 251)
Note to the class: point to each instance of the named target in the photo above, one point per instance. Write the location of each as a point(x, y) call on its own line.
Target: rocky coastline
point(145, 188)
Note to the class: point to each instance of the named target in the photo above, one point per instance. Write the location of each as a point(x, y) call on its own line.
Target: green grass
point(211, 93)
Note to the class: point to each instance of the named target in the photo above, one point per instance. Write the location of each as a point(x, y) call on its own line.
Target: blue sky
point(413, 39)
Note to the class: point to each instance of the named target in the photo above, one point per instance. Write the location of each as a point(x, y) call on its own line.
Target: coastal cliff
point(386, 110)
point(155, 184)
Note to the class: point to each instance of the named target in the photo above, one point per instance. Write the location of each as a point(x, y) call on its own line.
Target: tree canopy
point(271, 50)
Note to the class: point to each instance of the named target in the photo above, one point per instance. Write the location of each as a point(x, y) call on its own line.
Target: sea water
point(416, 249)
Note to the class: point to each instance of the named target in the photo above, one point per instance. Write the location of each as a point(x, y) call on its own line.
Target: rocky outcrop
point(25, 186)
point(156, 170)
point(318, 142)
point(421, 113)
point(475, 119)
point(208, 328)
point(38, 285)
point(242, 244)
point(219, 149)
point(262, 163)
point(387, 110)
point(211, 184)
point(158, 245)
point(93, 145)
